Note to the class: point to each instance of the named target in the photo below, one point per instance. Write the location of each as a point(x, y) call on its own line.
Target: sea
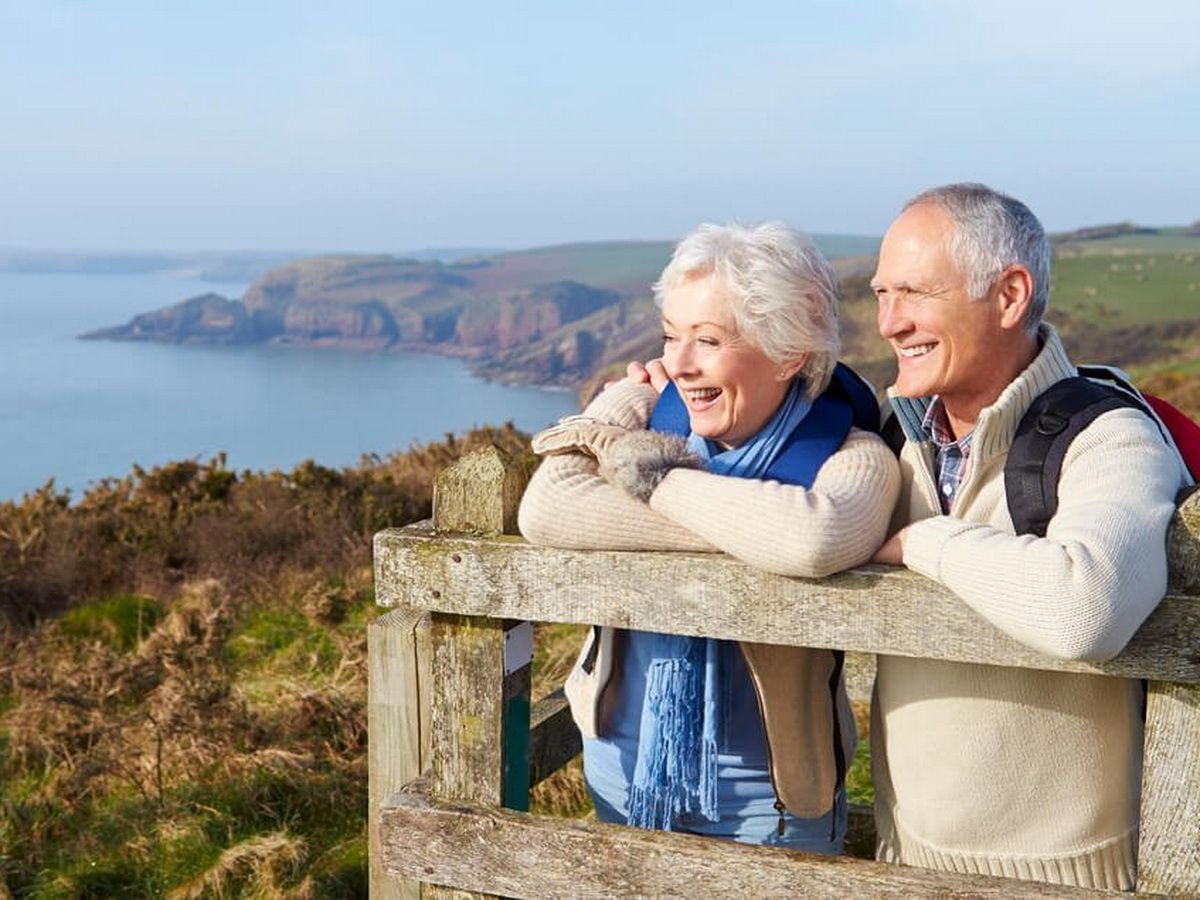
point(78, 411)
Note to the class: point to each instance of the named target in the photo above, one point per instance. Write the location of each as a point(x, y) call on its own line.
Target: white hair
point(782, 290)
point(992, 232)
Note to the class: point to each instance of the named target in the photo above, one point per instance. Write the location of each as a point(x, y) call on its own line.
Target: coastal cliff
point(519, 318)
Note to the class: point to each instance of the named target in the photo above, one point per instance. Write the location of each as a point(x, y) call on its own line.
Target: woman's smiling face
point(731, 388)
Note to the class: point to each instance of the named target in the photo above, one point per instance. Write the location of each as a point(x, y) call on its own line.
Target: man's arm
point(1083, 590)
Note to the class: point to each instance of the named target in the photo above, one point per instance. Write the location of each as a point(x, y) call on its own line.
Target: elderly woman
point(761, 446)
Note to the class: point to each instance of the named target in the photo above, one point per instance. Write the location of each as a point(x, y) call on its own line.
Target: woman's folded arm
point(835, 525)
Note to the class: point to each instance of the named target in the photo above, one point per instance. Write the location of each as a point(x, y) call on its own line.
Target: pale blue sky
point(390, 126)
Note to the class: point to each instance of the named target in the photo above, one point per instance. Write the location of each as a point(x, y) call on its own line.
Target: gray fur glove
point(637, 461)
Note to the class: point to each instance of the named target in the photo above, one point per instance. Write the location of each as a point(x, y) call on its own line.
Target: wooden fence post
point(481, 667)
point(481, 735)
point(398, 728)
point(1169, 836)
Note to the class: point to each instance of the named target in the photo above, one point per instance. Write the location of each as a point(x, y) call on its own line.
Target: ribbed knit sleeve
point(836, 524)
point(567, 504)
point(1084, 589)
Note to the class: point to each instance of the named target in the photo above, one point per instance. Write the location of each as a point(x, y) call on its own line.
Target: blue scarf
point(675, 773)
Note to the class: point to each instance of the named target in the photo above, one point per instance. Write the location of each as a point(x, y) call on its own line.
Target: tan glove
point(577, 434)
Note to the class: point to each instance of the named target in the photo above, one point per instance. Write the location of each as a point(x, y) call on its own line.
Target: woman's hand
point(653, 373)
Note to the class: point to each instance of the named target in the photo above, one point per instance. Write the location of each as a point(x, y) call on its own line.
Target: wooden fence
point(454, 744)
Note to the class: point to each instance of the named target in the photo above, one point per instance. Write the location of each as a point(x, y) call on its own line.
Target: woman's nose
point(679, 359)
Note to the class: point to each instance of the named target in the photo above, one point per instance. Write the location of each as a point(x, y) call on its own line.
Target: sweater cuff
point(924, 540)
point(625, 404)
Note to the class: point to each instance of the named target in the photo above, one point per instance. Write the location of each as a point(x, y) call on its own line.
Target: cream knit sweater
point(1018, 772)
point(836, 524)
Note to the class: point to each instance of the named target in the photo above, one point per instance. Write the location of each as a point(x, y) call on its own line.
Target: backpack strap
point(892, 433)
point(1040, 445)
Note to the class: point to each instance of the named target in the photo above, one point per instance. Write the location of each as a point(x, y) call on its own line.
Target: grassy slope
point(626, 266)
point(1129, 287)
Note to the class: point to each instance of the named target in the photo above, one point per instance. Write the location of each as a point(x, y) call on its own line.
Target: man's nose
point(890, 318)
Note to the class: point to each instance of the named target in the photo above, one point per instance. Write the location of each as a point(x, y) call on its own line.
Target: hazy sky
point(396, 125)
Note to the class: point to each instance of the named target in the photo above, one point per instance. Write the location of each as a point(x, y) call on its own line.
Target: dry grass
point(255, 866)
point(183, 677)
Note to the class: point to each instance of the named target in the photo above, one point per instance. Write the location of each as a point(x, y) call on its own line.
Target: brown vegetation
point(182, 676)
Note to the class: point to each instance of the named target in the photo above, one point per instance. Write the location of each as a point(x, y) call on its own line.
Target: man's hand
point(653, 372)
point(892, 551)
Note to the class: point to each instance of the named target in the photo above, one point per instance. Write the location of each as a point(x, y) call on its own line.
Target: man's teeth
point(919, 350)
point(703, 393)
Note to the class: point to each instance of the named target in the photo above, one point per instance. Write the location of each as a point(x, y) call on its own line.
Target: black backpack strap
point(893, 433)
point(1040, 445)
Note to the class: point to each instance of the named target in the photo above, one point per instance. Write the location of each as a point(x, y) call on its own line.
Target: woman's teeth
point(702, 394)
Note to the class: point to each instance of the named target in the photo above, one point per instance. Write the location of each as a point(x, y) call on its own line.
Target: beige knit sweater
point(836, 524)
point(1017, 772)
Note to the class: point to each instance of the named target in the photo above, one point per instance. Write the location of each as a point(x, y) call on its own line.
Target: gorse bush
point(183, 676)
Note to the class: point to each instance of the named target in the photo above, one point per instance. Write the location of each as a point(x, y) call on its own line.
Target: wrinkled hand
point(892, 551)
point(653, 373)
point(577, 434)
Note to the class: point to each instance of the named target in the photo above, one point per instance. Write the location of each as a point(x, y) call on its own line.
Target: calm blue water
point(81, 410)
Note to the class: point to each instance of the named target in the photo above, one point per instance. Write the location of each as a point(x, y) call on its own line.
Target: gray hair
point(994, 231)
point(783, 292)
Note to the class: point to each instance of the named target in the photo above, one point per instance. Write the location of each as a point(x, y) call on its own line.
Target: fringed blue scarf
point(675, 774)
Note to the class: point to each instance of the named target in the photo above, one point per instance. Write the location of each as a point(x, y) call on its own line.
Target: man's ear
point(1014, 293)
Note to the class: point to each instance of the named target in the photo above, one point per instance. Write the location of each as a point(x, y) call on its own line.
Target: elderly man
point(1014, 772)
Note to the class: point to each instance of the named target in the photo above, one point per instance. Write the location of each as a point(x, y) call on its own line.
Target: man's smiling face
point(944, 339)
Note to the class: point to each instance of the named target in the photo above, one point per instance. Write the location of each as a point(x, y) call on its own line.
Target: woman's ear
point(790, 370)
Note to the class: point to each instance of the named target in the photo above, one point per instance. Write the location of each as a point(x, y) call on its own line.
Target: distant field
point(621, 265)
point(616, 264)
point(1130, 280)
point(1164, 241)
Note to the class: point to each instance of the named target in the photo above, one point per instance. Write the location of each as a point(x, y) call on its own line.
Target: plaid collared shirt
point(951, 463)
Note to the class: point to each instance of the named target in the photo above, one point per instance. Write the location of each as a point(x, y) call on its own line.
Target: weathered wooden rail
point(453, 753)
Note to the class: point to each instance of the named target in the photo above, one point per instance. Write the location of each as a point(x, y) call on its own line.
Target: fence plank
point(553, 738)
point(1169, 839)
point(513, 854)
point(874, 609)
point(398, 735)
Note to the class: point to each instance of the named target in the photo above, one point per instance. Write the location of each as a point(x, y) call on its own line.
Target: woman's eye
point(667, 338)
point(708, 341)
